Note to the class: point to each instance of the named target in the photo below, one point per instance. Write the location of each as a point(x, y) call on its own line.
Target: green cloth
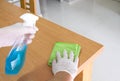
point(60, 46)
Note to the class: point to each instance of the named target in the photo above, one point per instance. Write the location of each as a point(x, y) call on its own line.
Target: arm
point(62, 76)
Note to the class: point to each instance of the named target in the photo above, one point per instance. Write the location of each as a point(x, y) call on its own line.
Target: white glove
point(9, 34)
point(65, 63)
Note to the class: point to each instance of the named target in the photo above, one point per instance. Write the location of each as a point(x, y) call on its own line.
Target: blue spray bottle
point(15, 59)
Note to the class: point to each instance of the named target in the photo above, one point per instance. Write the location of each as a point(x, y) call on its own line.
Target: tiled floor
point(98, 20)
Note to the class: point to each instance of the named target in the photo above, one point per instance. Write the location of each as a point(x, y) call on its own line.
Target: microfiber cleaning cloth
point(61, 46)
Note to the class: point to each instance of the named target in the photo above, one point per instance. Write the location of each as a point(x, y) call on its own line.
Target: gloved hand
point(65, 63)
point(9, 34)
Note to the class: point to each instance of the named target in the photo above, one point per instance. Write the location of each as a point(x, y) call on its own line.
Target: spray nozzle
point(29, 19)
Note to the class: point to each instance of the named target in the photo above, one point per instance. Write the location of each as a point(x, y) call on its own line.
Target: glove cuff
point(72, 75)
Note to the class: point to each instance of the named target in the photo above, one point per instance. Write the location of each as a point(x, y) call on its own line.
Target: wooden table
point(36, 68)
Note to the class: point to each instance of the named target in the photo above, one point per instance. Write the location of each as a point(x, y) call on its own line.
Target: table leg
point(86, 74)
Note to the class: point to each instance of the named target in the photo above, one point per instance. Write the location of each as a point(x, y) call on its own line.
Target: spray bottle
point(15, 59)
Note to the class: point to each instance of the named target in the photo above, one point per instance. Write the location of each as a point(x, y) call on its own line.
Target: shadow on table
point(41, 73)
